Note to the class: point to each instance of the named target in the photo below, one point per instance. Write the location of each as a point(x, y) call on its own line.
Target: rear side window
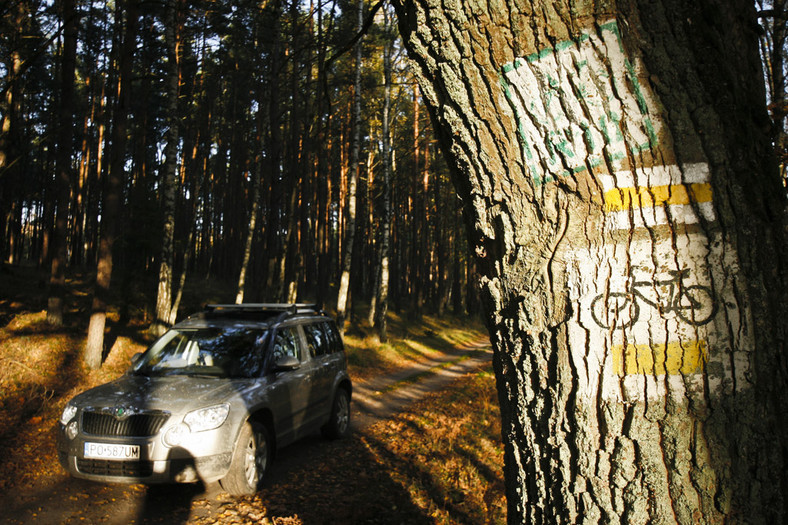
point(333, 338)
point(316, 339)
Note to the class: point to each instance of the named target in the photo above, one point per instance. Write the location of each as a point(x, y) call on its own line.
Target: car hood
point(174, 394)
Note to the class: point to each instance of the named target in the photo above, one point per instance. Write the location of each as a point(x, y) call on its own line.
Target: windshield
point(225, 352)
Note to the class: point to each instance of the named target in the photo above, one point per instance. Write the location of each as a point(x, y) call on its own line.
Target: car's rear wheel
point(339, 424)
point(250, 461)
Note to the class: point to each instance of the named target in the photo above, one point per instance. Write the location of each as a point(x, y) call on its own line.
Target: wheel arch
point(265, 417)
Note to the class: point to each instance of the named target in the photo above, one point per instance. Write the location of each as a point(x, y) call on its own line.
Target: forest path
point(61, 499)
point(383, 396)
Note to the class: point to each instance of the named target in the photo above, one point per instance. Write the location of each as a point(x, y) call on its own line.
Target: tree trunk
point(10, 136)
point(381, 304)
point(169, 177)
point(63, 166)
point(247, 252)
point(112, 198)
point(627, 219)
point(421, 217)
point(355, 149)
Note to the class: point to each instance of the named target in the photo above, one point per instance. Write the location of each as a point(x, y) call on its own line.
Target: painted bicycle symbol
point(693, 304)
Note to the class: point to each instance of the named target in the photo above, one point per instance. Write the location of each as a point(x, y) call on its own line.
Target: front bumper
point(156, 464)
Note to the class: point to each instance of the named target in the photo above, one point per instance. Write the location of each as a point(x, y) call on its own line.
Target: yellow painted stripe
point(672, 359)
point(649, 197)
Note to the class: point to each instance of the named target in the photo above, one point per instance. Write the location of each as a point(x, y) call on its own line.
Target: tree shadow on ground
point(324, 482)
point(313, 482)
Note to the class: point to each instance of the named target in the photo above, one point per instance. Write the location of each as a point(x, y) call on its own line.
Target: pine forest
point(279, 148)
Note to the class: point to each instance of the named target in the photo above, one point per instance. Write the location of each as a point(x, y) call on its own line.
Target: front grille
point(102, 467)
point(136, 425)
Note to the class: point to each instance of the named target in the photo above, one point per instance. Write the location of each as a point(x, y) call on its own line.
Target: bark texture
point(625, 212)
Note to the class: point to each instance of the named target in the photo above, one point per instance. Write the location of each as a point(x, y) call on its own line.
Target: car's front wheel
point(250, 461)
point(339, 424)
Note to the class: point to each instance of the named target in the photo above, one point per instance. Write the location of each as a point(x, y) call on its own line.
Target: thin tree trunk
point(385, 237)
point(94, 345)
point(64, 176)
point(189, 248)
point(169, 178)
point(247, 255)
point(355, 150)
point(9, 139)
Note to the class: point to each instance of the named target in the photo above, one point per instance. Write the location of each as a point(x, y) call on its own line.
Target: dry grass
point(446, 452)
point(40, 369)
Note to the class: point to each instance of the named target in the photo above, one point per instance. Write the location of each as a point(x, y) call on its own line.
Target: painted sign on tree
point(646, 302)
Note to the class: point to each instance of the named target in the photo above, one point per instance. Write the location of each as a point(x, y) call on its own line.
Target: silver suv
point(212, 399)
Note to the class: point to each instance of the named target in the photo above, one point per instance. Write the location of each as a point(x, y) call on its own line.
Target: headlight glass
point(207, 418)
point(68, 414)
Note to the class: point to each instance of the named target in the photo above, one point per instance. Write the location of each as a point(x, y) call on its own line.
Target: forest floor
point(425, 445)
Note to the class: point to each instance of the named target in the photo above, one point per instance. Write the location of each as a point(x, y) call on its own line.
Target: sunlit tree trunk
point(382, 291)
point(94, 344)
point(247, 252)
point(627, 219)
point(169, 178)
point(352, 186)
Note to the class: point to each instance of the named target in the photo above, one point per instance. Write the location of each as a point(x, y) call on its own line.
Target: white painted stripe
point(649, 217)
point(656, 176)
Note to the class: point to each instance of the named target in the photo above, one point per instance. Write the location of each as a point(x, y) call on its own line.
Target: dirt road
point(307, 477)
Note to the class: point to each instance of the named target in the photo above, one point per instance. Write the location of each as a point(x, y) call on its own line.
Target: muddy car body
point(212, 399)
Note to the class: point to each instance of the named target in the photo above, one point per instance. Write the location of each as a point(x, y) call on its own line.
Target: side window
point(333, 339)
point(315, 340)
point(285, 344)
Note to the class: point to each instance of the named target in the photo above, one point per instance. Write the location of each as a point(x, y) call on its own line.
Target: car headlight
point(68, 414)
point(207, 418)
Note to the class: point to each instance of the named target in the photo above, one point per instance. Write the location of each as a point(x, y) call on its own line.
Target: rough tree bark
point(627, 219)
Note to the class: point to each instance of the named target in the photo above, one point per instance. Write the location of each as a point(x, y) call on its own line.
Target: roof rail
point(293, 308)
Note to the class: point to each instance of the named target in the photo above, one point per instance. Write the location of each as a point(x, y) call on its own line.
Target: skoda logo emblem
point(120, 413)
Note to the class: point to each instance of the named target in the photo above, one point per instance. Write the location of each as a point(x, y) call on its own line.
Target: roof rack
point(292, 308)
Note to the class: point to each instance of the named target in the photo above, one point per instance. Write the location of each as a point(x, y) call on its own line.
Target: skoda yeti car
point(212, 399)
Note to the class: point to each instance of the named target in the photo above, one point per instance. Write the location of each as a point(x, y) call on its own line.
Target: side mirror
point(286, 363)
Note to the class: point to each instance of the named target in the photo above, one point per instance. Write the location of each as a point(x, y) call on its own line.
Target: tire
point(616, 308)
point(338, 425)
point(251, 457)
point(696, 305)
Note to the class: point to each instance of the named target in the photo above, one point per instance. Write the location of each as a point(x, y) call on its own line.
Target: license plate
point(111, 451)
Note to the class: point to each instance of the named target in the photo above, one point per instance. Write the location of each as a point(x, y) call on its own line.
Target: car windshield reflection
point(226, 352)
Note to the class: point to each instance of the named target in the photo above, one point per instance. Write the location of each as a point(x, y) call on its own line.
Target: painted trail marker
point(653, 310)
